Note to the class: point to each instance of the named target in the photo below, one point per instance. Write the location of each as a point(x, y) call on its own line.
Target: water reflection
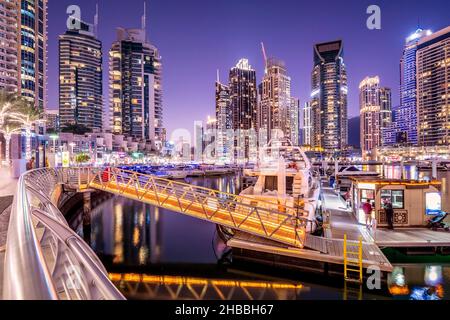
point(181, 288)
point(137, 234)
point(418, 282)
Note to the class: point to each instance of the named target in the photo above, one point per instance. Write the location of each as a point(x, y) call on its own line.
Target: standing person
point(367, 208)
point(389, 210)
point(30, 164)
point(347, 199)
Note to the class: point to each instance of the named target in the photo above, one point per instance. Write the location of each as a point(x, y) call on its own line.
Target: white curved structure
point(45, 259)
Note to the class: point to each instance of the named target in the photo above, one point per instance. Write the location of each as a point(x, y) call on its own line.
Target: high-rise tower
point(9, 53)
point(408, 87)
point(243, 94)
point(375, 112)
point(329, 97)
point(275, 99)
point(433, 89)
point(33, 51)
point(223, 119)
point(135, 79)
point(80, 78)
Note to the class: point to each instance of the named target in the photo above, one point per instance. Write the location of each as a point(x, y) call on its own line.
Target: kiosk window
point(367, 194)
point(395, 196)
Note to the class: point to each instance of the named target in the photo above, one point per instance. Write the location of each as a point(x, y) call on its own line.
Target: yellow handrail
point(358, 262)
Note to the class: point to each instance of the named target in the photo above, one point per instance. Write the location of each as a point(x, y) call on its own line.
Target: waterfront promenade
point(7, 190)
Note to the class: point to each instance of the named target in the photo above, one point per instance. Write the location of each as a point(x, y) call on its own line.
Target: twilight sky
point(197, 37)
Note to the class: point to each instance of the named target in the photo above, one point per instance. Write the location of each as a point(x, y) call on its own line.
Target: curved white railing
point(45, 259)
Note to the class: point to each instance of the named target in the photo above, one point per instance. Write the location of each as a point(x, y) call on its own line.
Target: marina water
point(136, 238)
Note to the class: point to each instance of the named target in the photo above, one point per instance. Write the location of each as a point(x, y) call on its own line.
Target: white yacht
point(284, 176)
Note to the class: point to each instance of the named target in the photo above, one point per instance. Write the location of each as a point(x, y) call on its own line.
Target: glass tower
point(329, 97)
point(136, 87)
point(33, 51)
point(80, 78)
point(408, 124)
point(433, 89)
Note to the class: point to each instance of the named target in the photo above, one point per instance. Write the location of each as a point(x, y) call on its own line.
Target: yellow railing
point(353, 260)
point(262, 218)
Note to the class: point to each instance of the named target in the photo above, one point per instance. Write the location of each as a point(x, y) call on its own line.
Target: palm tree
point(27, 114)
point(10, 103)
point(8, 130)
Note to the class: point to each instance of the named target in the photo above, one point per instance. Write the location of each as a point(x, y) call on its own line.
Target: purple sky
point(196, 37)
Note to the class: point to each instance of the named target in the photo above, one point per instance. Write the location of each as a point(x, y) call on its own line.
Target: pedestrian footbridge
point(264, 219)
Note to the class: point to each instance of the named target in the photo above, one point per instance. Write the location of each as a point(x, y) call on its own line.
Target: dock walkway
point(328, 249)
point(412, 237)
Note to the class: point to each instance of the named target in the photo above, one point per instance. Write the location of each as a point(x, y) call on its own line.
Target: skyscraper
point(244, 109)
point(224, 119)
point(136, 87)
point(33, 51)
point(243, 94)
point(433, 89)
point(23, 51)
point(329, 97)
point(9, 51)
point(408, 125)
point(375, 112)
point(80, 78)
point(275, 99)
point(294, 121)
point(308, 131)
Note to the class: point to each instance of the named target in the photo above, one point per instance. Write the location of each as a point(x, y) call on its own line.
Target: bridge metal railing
point(270, 220)
point(45, 259)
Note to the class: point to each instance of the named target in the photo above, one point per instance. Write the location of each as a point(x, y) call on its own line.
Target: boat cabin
point(414, 202)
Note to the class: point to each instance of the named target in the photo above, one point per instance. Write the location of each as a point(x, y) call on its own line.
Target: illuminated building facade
point(136, 88)
point(308, 131)
point(293, 124)
point(243, 92)
point(375, 112)
point(224, 119)
point(244, 109)
point(33, 51)
point(329, 98)
point(433, 89)
point(275, 99)
point(9, 77)
point(406, 125)
point(80, 78)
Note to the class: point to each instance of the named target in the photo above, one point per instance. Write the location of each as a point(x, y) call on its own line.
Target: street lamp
point(54, 137)
point(72, 144)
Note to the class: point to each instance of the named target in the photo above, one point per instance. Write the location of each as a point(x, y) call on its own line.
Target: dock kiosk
point(414, 202)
